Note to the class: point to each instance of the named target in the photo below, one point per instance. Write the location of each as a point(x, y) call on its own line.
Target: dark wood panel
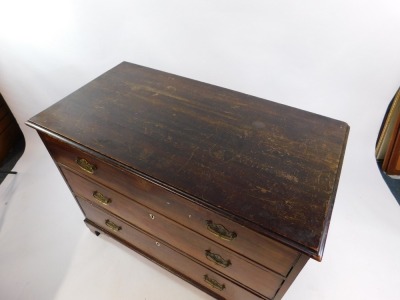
point(265, 165)
point(165, 256)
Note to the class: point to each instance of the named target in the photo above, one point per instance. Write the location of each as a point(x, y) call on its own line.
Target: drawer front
point(195, 245)
point(266, 252)
point(163, 254)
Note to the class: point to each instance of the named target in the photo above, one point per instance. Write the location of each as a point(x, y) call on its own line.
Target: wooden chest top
point(272, 168)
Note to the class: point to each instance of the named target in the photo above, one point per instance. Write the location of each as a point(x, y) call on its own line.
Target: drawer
point(159, 252)
point(248, 243)
point(178, 236)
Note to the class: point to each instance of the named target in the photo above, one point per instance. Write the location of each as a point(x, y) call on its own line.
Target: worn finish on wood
point(230, 192)
point(270, 165)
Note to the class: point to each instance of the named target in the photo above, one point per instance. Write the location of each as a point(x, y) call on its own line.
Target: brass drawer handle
point(85, 165)
point(220, 231)
point(215, 284)
point(217, 259)
point(101, 198)
point(113, 226)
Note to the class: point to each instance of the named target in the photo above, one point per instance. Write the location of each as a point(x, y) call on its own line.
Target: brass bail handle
point(101, 198)
point(113, 226)
point(214, 283)
point(85, 165)
point(217, 259)
point(220, 231)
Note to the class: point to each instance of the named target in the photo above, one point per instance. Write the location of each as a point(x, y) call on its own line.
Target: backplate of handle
point(214, 283)
point(112, 225)
point(101, 198)
point(217, 259)
point(85, 165)
point(220, 231)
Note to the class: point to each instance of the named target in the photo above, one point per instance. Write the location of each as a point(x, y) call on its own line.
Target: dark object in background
point(388, 143)
point(12, 143)
point(387, 150)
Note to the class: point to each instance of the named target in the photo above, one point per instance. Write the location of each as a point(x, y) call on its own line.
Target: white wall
point(336, 58)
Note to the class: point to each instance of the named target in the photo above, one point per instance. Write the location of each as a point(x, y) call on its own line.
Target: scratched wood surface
point(267, 166)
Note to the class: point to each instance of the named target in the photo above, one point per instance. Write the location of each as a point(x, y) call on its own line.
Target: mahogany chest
point(230, 192)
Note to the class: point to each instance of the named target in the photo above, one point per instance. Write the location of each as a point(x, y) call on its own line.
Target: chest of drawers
point(227, 191)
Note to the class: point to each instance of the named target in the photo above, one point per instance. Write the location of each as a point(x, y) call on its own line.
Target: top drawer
point(248, 243)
